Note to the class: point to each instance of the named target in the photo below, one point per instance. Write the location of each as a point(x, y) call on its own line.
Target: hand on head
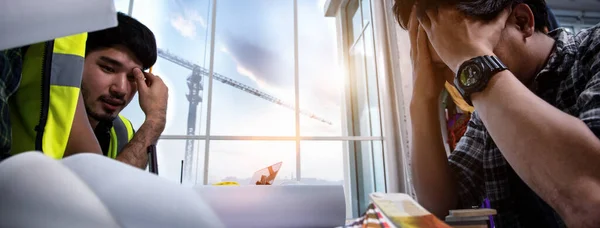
point(430, 74)
point(153, 94)
point(457, 38)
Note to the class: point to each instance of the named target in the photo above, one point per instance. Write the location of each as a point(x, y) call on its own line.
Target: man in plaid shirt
point(532, 145)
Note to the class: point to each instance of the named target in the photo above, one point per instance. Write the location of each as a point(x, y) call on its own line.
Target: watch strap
point(491, 65)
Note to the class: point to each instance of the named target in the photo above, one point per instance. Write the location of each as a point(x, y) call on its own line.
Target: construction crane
point(195, 86)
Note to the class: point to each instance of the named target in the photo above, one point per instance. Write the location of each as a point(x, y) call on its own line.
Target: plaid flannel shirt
point(570, 81)
point(11, 63)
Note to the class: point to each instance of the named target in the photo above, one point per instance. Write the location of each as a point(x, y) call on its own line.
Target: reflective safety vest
point(43, 108)
point(120, 134)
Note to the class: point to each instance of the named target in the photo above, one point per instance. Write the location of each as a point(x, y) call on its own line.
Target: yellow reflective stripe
point(71, 45)
point(65, 79)
point(66, 70)
point(63, 103)
point(121, 134)
point(112, 148)
point(129, 127)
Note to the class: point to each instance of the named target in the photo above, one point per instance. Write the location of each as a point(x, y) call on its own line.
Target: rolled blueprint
point(277, 205)
point(90, 190)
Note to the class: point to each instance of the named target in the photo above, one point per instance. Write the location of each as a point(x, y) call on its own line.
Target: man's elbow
point(584, 217)
point(583, 209)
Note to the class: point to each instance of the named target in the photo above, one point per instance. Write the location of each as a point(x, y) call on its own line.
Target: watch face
point(470, 75)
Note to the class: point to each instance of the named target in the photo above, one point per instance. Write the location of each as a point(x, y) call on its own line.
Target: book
point(485, 212)
point(470, 218)
point(403, 211)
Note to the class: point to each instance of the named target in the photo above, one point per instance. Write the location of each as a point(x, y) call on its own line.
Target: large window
point(254, 47)
point(365, 112)
point(265, 87)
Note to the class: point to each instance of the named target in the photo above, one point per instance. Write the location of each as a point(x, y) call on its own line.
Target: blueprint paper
point(91, 190)
point(25, 22)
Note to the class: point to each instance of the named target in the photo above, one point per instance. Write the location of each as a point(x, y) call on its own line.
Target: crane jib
point(204, 72)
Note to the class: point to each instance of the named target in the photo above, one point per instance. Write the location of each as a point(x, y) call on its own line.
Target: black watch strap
point(494, 64)
point(490, 65)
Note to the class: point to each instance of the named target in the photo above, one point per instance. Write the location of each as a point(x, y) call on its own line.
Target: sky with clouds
point(254, 45)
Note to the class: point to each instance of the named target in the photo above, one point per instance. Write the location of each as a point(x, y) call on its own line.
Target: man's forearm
point(135, 152)
point(556, 154)
point(430, 168)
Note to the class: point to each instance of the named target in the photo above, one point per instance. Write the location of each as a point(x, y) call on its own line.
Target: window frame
point(392, 163)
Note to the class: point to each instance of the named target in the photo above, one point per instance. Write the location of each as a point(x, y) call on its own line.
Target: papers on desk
point(91, 190)
point(25, 22)
point(94, 191)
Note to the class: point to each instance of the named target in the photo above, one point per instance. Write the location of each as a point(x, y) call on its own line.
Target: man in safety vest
point(41, 108)
point(113, 73)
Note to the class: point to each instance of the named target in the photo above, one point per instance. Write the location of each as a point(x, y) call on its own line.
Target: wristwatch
point(474, 74)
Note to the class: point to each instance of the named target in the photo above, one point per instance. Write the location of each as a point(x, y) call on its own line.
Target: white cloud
point(257, 64)
point(186, 23)
point(185, 27)
point(194, 16)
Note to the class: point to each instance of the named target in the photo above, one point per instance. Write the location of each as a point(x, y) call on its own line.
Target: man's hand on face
point(429, 77)
point(457, 38)
point(153, 95)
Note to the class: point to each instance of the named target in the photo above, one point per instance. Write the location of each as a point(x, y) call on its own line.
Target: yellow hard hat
point(230, 183)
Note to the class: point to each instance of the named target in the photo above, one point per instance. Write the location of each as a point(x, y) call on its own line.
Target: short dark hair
point(480, 9)
point(130, 33)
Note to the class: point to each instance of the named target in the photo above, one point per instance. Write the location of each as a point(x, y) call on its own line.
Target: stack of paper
point(90, 190)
